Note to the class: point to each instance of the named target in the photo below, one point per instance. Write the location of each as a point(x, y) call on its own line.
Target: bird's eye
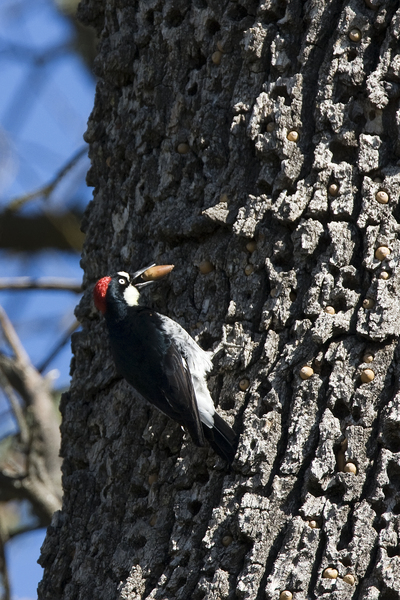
point(122, 281)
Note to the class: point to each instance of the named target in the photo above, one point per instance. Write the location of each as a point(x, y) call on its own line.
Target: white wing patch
point(131, 295)
point(198, 362)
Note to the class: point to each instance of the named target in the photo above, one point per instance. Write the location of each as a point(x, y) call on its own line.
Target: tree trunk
point(255, 146)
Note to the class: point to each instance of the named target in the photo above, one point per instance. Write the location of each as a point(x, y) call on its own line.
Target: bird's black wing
point(150, 361)
point(179, 393)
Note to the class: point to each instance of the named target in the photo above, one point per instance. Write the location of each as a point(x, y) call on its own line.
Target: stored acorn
point(293, 135)
point(216, 57)
point(382, 197)
point(227, 540)
point(206, 267)
point(330, 573)
point(306, 372)
point(333, 189)
point(368, 303)
point(249, 269)
point(382, 252)
point(368, 358)
point(367, 375)
point(384, 275)
point(349, 578)
point(244, 384)
point(330, 310)
point(350, 467)
point(285, 595)
point(355, 35)
point(183, 148)
point(251, 246)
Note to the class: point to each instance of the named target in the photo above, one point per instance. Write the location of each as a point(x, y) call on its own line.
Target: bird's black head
point(118, 289)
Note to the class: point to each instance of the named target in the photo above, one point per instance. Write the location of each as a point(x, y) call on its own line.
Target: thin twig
point(13, 339)
point(47, 189)
point(16, 407)
point(43, 283)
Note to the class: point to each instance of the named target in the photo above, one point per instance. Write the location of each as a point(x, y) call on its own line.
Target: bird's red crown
point(99, 293)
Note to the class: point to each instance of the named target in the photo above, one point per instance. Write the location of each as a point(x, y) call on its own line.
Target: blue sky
point(44, 107)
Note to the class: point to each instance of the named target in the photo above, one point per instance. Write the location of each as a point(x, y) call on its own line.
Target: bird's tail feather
point(222, 438)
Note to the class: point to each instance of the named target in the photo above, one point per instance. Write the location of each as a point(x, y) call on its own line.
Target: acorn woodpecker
point(161, 361)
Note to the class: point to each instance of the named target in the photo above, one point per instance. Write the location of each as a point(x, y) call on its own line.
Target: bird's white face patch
point(124, 274)
point(131, 295)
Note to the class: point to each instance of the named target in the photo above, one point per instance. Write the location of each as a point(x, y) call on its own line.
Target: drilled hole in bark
point(192, 91)
point(340, 410)
point(281, 91)
point(393, 551)
point(237, 13)
point(195, 507)
point(202, 477)
point(351, 282)
point(263, 187)
point(139, 542)
point(360, 120)
point(378, 523)
point(150, 17)
point(314, 487)
point(346, 536)
point(213, 26)
point(356, 413)
point(396, 509)
point(197, 61)
point(342, 153)
point(174, 18)
point(351, 55)
point(228, 403)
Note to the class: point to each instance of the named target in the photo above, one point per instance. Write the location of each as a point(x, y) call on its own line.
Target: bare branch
point(46, 190)
point(43, 482)
point(16, 407)
point(30, 233)
point(12, 338)
point(43, 283)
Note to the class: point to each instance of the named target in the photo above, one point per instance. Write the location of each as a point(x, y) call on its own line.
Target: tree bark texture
point(255, 146)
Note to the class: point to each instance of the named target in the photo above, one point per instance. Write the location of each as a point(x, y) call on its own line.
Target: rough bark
point(254, 136)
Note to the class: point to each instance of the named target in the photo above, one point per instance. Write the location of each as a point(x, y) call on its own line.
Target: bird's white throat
point(131, 296)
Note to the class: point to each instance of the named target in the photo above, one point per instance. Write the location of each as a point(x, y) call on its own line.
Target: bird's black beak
point(151, 273)
point(137, 273)
point(139, 286)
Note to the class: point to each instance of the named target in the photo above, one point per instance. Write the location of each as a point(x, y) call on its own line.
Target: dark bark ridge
point(256, 137)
